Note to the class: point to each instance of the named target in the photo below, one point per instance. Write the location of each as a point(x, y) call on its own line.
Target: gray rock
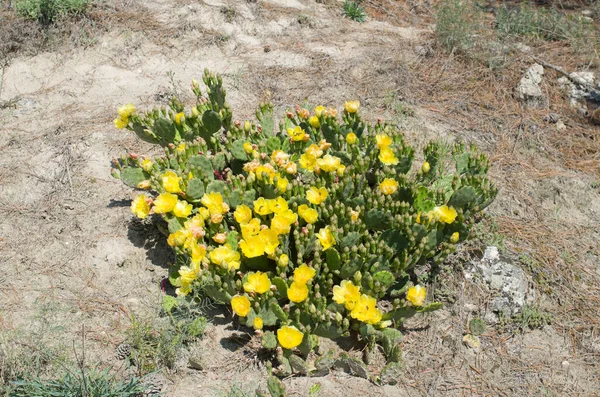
point(528, 90)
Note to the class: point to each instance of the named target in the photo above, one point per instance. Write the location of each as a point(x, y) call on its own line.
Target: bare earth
point(71, 255)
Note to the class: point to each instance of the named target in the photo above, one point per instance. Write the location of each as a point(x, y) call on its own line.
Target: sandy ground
point(71, 256)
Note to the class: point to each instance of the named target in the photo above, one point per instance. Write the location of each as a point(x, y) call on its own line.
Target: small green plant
point(303, 231)
point(457, 24)
point(354, 11)
point(46, 11)
point(486, 232)
point(532, 317)
point(78, 382)
point(477, 326)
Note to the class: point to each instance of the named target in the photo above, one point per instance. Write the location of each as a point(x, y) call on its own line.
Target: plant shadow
point(147, 234)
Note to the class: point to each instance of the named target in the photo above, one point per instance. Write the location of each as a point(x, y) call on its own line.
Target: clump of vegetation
point(457, 23)
point(79, 382)
point(47, 11)
point(354, 11)
point(307, 231)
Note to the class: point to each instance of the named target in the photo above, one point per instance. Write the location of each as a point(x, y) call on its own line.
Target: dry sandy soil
point(71, 256)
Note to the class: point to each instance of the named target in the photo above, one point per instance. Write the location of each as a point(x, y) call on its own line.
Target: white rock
point(529, 91)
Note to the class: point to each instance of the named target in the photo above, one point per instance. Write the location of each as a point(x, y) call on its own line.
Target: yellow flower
point(121, 123)
point(351, 138)
point(388, 186)
point(351, 106)
point(262, 207)
point(324, 145)
point(252, 246)
point(181, 148)
point(144, 184)
point(126, 111)
point(187, 276)
point(240, 305)
point(354, 215)
point(297, 292)
point(326, 238)
point(346, 294)
point(204, 213)
point(310, 215)
point(270, 241)
point(220, 238)
point(280, 157)
point(250, 229)
point(340, 170)
point(320, 111)
point(140, 207)
point(316, 196)
point(416, 295)
point(164, 203)
point(314, 122)
point(454, 237)
point(197, 251)
point(179, 117)
point(291, 168)
point(366, 311)
point(314, 150)
point(257, 282)
point(257, 323)
point(445, 214)
point(282, 183)
point(303, 274)
point(387, 156)
point(170, 182)
point(242, 214)
point(425, 167)
point(332, 112)
point(248, 148)
point(283, 260)
point(289, 337)
point(329, 163)
point(308, 162)
point(281, 224)
point(214, 202)
point(182, 209)
point(179, 238)
point(383, 141)
point(216, 218)
point(147, 165)
point(226, 257)
point(265, 171)
point(296, 133)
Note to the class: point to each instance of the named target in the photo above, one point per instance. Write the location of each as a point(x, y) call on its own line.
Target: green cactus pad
point(463, 197)
point(219, 162)
point(385, 278)
point(276, 388)
point(273, 144)
point(378, 220)
point(350, 268)
point(269, 340)
point(333, 259)
point(330, 331)
point(211, 121)
point(195, 189)
point(350, 240)
point(477, 326)
point(298, 365)
point(281, 286)
point(216, 186)
point(201, 163)
point(145, 134)
point(237, 150)
point(132, 176)
point(165, 131)
point(174, 225)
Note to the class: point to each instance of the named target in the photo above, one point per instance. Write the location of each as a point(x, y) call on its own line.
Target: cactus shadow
point(146, 234)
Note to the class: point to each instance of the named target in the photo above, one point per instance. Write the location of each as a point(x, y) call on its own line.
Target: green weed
point(457, 24)
point(47, 11)
point(354, 11)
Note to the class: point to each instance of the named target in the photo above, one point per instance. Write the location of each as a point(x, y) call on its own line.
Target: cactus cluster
point(308, 230)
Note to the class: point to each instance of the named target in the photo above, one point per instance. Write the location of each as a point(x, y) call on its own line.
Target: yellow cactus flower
point(197, 252)
point(240, 305)
point(387, 156)
point(383, 141)
point(247, 126)
point(121, 123)
point(445, 214)
point(316, 196)
point(170, 181)
point(320, 111)
point(329, 163)
point(248, 148)
point(354, 215)
point(346, 294)
point(140, 206)
point(366, 311)
point(147, 165)
point(314, 122)
point(165, 202)
point(181, 147)
point(332, 112)
point(179, 118)
point(310, 215)
point(340, 170)
point(280, 157)
point(126, 111)
point(216, 218)
point(324, 145)
point(252, 247)
point(257, 323)
point(416, 295)
point(454, 237)
point(187, 276)
point(291, 168)
point(308, 162)
point(257, 282)
point(145, 185)
point(262, 207)
point(270, 240)
point(297, 292)
point(204, 213)
point(282, 183)
point(296, 133)
point(225, 257)
point(351, 106)
point(283, 260)
point(289, 337)
point(303, 274)
point(388, 186)
point(242, 214)
point(314, 150)
point(182, 209)
point(215, 204)
point(179, 238)
point(250, 229)
point(351, 138)
point(251, 166)
point(265, 172)
point(425, 167)
point(220, 238)
point(281, 224)
point(326, 238)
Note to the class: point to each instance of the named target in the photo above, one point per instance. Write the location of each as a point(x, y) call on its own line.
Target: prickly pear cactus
point(303, 230)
